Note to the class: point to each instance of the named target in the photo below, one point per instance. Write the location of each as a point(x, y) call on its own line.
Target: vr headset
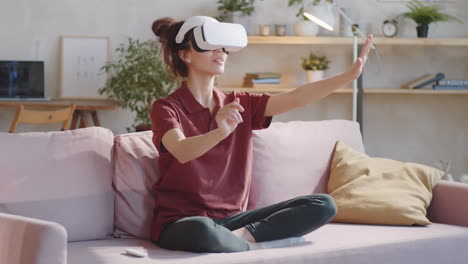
point(210, 34)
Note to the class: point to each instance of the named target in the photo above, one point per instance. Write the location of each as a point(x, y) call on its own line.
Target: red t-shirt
point(217, 183)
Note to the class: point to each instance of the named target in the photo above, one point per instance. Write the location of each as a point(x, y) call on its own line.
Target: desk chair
point(43, 116)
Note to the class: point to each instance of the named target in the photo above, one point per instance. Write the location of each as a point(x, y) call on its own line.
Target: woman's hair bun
point(160, 26)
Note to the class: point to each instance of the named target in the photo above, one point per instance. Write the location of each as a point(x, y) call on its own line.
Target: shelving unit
point(296, 40)
point(349, 90)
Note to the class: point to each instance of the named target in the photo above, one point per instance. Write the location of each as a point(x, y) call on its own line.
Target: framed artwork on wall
point(81, 59)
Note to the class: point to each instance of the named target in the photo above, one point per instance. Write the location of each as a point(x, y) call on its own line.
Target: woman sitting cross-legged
point(204, 138)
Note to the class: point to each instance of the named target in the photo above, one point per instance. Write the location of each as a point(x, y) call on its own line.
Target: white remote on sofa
point(137, 252)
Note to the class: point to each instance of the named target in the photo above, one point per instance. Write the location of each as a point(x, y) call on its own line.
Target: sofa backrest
point(293, 159)
point(290, 159)
point(61, 176)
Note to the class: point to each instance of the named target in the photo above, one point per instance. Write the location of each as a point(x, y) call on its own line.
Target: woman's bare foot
point(244, 233)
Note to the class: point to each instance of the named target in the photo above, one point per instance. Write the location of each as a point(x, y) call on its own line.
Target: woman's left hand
point(356, 69)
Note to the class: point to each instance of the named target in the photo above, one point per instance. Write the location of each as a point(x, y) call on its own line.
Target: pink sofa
point(83, 196)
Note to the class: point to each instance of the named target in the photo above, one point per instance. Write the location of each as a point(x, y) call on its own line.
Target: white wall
point(418, 128)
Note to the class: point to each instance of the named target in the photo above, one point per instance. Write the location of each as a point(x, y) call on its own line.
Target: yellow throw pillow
point(380, 191)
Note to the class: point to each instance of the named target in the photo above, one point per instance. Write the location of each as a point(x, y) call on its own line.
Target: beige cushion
point(380, 191)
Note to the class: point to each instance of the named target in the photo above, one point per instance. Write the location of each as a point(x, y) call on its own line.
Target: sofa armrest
point(449, 203)
point(28, 240)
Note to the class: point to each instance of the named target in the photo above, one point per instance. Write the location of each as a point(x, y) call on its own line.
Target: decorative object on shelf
point(305, 27)
point(261, 79)
point(236, 11)
point(280, 29)
point(345, 27)
point(424, 15)
point(390, 28)
point(138, 77)
point(445, 167)
point(315, 66)
point(264, 29)
point(464, 178)
point(81, 58)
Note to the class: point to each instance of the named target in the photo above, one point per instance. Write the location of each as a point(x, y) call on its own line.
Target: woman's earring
point(188, 60)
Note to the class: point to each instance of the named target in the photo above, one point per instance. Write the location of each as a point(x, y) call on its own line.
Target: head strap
point(191, 23)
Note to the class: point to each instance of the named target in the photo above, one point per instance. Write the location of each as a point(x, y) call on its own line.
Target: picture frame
point(81, 59)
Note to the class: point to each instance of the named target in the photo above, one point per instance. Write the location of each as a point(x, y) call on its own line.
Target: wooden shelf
point(350, 90)
point(296, 40)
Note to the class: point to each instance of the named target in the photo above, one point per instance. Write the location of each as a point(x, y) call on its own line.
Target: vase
point(306, 28)
point(345, 28)
point(239, 18)
point(264, 29)
point(422, 31)
point(314, 76)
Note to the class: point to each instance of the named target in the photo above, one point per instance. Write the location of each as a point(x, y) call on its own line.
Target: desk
point(84, 107)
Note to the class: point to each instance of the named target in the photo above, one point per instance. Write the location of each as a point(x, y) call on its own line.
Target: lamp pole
point(357, 84)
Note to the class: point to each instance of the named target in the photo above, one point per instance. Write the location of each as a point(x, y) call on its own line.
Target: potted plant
point(137, 78)
point(315, 66)
point(306, 27)
point(236, 11)
point(424, 15)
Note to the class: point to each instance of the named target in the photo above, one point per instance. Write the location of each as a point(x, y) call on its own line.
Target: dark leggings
point(294, 217)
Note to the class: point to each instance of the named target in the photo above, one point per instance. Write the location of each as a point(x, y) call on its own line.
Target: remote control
point(137, 252)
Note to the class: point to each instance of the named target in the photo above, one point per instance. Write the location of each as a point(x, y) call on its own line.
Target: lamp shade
point(318, 21)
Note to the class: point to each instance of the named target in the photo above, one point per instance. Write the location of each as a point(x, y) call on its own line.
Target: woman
point(204, 138)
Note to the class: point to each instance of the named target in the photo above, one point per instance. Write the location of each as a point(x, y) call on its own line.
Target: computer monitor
point(21, 79)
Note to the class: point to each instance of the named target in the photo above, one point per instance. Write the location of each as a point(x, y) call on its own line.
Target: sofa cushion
point(331, 244)
point(135, 171)
point(293, 158)
point(378, 190)
point(61, 176)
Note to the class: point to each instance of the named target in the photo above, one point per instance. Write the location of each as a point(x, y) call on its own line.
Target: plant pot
point(314, 76)
point(140, 128)
point(239, 18)
point(422, 31)
point(306, 28)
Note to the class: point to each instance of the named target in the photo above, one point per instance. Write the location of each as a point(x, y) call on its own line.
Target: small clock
point(390, 28)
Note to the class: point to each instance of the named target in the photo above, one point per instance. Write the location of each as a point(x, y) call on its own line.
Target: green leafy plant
point(245, 6)
point(137, 78)
point(426, 14)
point(301, 5)
point(315, 63)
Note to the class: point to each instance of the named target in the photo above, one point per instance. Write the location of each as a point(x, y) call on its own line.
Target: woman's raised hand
point(228, 117)
point(356, 69)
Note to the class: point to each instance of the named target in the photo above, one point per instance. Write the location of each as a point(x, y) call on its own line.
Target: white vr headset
point(210, 34)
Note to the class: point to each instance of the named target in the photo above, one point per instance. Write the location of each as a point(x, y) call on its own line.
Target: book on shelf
point(267, 85)
point(269, 80)
point(261, 85)
point(251, 81)
point(262, 75)
point(423, 80)
point(452, 82)
point(449, 87)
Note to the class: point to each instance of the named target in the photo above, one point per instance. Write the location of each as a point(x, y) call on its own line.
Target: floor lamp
point(357, 32)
